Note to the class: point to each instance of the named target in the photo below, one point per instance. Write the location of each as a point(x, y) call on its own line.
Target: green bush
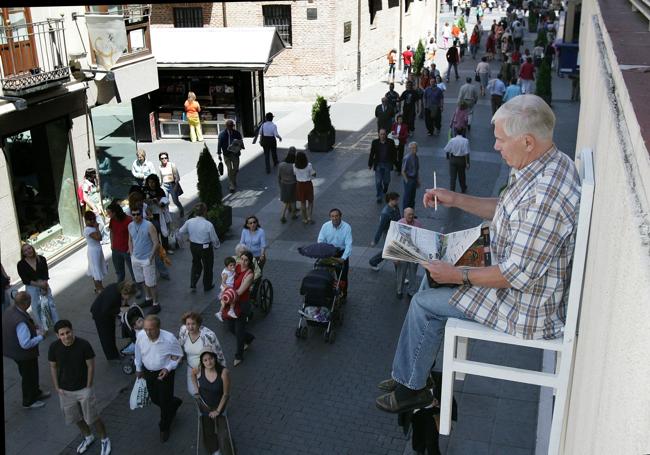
point(221, 218)
point(209, 185)
point(418, 59)
point(320, 115)
point(543, 86)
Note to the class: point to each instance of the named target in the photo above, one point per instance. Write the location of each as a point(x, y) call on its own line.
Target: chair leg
point(447, 387)
point(560, 402)
point(558, 361)
point(461, 354)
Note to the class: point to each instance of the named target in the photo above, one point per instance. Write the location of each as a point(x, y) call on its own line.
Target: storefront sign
point(107, 38)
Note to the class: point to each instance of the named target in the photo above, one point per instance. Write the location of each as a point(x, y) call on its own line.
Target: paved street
point(304, 396)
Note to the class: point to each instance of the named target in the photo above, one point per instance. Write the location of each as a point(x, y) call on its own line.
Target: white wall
point(609, 411)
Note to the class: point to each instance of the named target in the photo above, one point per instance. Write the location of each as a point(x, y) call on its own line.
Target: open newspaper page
point(411, 244)
point(454, 244)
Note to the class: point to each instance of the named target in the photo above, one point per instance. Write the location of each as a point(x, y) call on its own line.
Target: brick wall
point(318, 61)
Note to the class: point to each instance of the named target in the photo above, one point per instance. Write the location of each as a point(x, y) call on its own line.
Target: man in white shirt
point(203, 241)
point(267, 133)
point(157, 354)
point(457, 150)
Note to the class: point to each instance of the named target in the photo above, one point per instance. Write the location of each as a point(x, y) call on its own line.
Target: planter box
point(221, 218)
point(321, 141)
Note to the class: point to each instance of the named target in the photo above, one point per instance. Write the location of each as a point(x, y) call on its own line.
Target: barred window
point(279, 16)
point(188, 17)
point(373, 7)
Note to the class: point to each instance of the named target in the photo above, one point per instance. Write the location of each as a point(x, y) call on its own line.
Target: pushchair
point(321, 288)
point(128, 319)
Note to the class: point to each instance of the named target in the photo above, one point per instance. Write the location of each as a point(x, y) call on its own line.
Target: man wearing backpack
point(230, 145)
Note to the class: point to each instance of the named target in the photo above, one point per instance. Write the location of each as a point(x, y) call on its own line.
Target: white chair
point(456, 365)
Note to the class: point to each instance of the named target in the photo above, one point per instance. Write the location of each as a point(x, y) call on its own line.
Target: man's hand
point(139, 374)
point(163, 374)
point(214, 414)
point(445, 197)
point(443, 272)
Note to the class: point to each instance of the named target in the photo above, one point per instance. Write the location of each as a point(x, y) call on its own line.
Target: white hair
point(526, 114)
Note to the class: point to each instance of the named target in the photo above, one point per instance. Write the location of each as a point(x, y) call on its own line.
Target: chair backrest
point(585, 165)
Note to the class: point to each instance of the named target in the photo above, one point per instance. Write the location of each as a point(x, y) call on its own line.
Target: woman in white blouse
point(267, 133)
point(195, 338)
point(304, 172)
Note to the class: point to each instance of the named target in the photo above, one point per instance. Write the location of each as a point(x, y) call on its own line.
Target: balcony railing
point(33, 56)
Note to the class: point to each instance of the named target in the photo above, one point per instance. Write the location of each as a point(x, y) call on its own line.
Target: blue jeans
point(410, 186)
point(422, 332)
point(119, 259)
point(35, 293)
point(170, 188)
point(382, 178)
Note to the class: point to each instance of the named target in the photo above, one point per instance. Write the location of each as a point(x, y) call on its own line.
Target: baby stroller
point(321, 287)
point(127, 323)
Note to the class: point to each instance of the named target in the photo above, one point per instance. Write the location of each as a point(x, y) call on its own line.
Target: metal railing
point(643, 7)
point(33, 56)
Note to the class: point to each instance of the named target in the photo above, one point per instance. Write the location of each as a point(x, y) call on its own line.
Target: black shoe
point(209, 288)
point(232, 190)
point(389, 385)
point(155, 309)
point(400, 296)
point(164, 436)
point(146, 303)
point(413, 399)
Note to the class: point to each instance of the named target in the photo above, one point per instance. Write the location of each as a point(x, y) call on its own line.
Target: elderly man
point(381, 159)
point(532, 238)
point(338, 233)
point(434, 102)
point(157, 354)
point(406, 271)
point(203, 242)
point(384, 113)
point(20, 339)
point(231, 151)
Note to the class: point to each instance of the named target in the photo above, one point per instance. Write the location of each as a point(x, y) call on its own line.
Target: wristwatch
point(465, 275)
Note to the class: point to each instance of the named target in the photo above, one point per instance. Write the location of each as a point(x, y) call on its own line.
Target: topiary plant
point(543, 86)
point(208, 184)
point(418, 59)
point(320, 115)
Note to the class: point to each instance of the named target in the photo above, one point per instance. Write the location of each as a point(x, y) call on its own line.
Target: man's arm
point(154, 238)
point(90, 364)
point(55, 379)
point(138, 358)
point(321, 235)
point(487, 277)
point(479, 206)
point(371, 157)
point(214, 238)
point(348, 244)
point(24, 337)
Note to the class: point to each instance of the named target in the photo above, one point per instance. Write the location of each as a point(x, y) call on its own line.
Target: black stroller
point(321, 287)
point(127, 323)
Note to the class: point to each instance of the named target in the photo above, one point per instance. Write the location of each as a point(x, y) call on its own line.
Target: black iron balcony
point(33, 56)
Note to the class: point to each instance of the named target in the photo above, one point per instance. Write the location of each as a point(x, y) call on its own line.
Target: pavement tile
point(516, 433)
point(499, 449)
point(467, 446)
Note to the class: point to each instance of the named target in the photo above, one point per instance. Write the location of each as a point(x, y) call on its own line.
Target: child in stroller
point(131, 322)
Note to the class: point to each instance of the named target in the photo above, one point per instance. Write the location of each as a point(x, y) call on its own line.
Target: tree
point(543, 87)
point(320, 115)
point(418, 59)
point(209, 185)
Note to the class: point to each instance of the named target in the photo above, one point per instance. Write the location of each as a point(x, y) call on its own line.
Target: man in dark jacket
point(230, 145)
point(381, 159)
point(384, 113)
point(20, 339)
point(453, 57)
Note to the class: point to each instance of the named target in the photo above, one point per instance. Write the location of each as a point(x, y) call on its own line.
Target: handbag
point(220, 165)
point(477, 78)
point(179, 190)
point(139, 395)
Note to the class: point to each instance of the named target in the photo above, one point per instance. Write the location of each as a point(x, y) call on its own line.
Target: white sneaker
point(218, 315)
point(85, 443)
point(106, 446)
point(231, 313)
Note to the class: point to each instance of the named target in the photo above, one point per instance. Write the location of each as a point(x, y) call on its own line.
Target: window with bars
point(373, 7)
point(279, 16)
point(188, 17)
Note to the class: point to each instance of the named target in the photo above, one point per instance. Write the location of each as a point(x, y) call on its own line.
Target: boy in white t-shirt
point(227, 281)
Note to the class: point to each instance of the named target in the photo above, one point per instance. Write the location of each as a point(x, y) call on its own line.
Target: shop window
point(373, 7)
point(279, 16)
point(188, 17)
point(136, 21)
point(43, 184)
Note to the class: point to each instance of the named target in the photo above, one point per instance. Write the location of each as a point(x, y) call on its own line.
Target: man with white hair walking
point(532, 238)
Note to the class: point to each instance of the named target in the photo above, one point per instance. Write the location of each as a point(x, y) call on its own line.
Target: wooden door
point(17, 44)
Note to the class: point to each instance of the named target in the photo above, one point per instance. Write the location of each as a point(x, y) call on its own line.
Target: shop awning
point(251, 48)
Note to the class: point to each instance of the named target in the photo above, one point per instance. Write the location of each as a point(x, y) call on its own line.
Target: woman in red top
point(400, 130)
point(119, 229)
point(474, 42)
point(490, 46)
point(192, 109)
point(243, 283)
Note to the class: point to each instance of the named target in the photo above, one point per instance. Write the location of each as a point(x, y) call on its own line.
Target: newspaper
point(413, 244)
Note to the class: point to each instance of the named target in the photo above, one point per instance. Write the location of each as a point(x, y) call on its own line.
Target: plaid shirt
point(532, 238)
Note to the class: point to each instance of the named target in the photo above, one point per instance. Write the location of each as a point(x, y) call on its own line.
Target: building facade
point(332, 46)
point(49, 89)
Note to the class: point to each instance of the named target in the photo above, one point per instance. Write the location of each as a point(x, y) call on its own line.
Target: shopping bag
point(139, 394)
point(220, 165)
point(46, 312)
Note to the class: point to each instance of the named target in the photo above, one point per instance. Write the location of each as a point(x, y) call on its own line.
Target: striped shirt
point(532, 239)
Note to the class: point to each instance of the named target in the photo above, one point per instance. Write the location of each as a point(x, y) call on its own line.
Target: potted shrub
point(322, 137)
point(210, 193)
point(418, 61)
point(543, 86)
